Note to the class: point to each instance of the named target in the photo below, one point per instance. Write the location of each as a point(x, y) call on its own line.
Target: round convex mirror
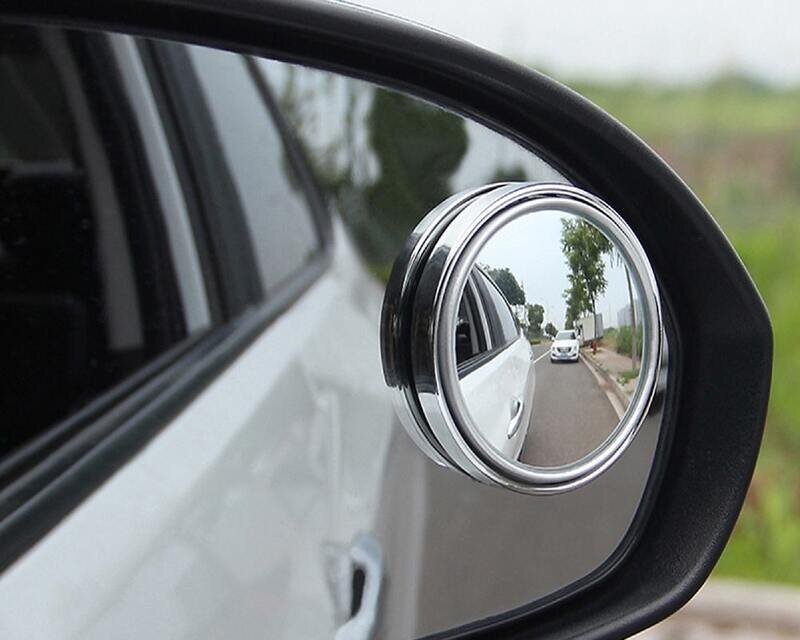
point(548, 339)
point(535, 337)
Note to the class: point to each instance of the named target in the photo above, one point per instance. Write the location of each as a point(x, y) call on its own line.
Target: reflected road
point(571, 413)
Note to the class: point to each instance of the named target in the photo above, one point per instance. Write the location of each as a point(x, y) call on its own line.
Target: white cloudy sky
point(531, 248)
point(665, 40)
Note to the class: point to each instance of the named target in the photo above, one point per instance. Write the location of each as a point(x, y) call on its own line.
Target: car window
point(385, 158)
point(88, 288)
point(271, 195)
point(470, 335)
point(565, 335)
point(503, 325)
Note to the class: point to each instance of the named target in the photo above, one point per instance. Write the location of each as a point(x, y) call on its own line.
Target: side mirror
point(701, 315)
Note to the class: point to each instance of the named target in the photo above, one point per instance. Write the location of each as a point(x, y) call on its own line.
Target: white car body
point(565, 347)
point(499, 396)
point(225, 515)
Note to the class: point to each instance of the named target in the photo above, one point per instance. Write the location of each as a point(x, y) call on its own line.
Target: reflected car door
point(498, 384)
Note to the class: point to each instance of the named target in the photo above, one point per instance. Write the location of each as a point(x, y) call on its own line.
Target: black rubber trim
point(186, 178)
point(156, 283)
point(15, 484)
point(477, 361)
point(719, 319)
point(207, 179)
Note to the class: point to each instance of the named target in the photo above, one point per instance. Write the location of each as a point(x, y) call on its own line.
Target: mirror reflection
point(548, 339)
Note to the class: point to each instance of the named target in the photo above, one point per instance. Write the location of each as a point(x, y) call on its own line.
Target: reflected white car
point(565, 347)
point(495, 366)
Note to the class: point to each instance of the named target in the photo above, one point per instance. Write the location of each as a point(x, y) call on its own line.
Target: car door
point(239, 514)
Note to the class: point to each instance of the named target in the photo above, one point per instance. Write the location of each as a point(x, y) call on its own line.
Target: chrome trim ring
point(452, 244)
point(396, 319)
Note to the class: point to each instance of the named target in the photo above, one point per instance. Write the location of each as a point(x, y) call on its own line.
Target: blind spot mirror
point(522, 335)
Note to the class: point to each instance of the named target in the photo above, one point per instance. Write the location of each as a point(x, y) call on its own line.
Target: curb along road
point(619, 400)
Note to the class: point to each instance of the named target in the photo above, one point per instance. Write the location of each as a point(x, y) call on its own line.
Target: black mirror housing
point(717, 324)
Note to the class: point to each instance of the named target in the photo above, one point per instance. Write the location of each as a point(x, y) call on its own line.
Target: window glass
point(279, 218)
point(470, 339)
point(502, 323)
point(87, 288)
point(385, 158)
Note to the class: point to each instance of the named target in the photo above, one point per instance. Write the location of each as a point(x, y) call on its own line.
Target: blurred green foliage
point(535, 317)
point(418, 148)
point(624, 342)
point(736, 142)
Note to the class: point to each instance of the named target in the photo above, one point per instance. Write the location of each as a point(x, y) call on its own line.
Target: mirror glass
point(160, 202)
point(548, 339)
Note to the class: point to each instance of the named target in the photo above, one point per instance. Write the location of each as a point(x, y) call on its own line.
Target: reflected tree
point(418, 148)
point(507, 283)
point(618, 258)
point(515, 173)
point(389, 162)
point(584, 246)
point(577, 302)
point(535, 314)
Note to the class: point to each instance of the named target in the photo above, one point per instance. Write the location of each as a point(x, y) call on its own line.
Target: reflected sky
point(531, 247)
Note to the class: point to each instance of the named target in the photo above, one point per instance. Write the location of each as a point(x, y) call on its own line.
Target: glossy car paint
point(564, 350)
point(490, 393)
point(226, 523)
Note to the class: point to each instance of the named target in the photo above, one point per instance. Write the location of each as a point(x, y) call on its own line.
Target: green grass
point(628, 375)
point(728, 106)
point(609, 340)
point(737, 144)
point(624, 341)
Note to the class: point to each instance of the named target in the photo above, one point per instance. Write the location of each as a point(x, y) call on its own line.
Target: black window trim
point(119, 423)
point(93, 53)
point(166, 111)
point(226, 256)
point(473, 296)
point(48, 492)
point(476, 320)
point(200, 153)
point(482, 283)
point(476, 362)
point(480, 303)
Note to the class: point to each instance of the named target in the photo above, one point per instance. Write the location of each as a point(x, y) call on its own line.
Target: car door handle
point(517, 406)
point(366, 558)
